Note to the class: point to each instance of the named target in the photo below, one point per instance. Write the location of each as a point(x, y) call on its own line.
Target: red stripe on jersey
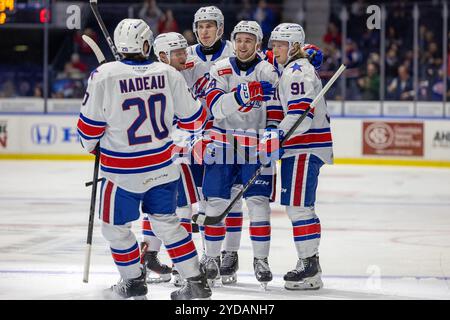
point(260, 231)
point(196, 124)
point(126, 257)
point(211, 96)
point(90, 130)
point(233, 221)
point(181, 250)
point(214, 231)
point(276, 115)
point(187, 226)
point(299, 106)
point(309, 138)
point(146, 225)
point(107, 201)
point(189, 182)
point(306, 230)
point(299, 180)
point(137, 162)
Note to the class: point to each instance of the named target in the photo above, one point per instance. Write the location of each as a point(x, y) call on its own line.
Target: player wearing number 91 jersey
point(129, 108)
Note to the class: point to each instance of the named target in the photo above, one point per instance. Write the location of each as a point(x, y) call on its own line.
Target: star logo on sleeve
point(296, 67)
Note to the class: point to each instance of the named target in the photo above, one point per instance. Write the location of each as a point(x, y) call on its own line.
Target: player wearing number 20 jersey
point(129, 109)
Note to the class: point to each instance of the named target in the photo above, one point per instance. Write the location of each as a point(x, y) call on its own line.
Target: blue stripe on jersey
point(256, 238)
point(234, 229)
point(88, 137)
point(185, 257)
point(140, 170)
point(92, 122)
point(300, 100)
point(304, 222)
point(192, 118)
point(309, 237)
point(126, 250)
point(179, 243)
point(219, 53)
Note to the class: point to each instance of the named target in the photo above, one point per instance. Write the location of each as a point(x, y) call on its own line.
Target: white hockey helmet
point(251, 27)
point(166, 42)
point(290, 32)
point(130, 36)
point(211, 13)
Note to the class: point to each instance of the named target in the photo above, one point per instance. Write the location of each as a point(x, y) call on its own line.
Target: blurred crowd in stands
point(362, 50)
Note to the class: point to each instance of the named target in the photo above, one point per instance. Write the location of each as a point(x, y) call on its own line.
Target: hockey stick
point(204, 220)
point(101, 59)
point(94, 8)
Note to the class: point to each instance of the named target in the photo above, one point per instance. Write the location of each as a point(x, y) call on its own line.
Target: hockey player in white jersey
point(242, 101)
point(171, 48)
point(303, 154)
point(208, 27)
point(128, 112)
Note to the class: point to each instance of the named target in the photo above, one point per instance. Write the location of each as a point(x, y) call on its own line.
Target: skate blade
point(314, 283)
point(226, 280)
point(140, 298)
point(159, 278)
point(264, 286)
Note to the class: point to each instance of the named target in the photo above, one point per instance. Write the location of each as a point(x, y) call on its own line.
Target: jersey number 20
point(161, 131)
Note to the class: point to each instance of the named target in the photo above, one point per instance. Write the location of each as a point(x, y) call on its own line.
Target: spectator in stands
point(265, 16)
point(168, 23)
point(401, 87)
point(369, 84)
point(38, 92)
point(8, 89)
point(75, 68)
point(333, 36)
point(151, 14)
point(245, 11)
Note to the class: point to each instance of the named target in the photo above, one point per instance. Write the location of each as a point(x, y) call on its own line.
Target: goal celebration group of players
point(163, 131)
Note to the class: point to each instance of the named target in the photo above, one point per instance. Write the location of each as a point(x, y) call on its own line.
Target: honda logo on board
point(43, 134)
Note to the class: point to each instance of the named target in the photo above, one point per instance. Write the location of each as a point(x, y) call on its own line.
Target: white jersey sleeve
point(92, 122)
point(299, 85)
point(220, 101)
point(189, 111)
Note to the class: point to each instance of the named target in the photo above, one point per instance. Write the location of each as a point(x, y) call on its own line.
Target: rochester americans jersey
point(299, 85)
point(198, 66)
point(130, 106)
point(228, 114)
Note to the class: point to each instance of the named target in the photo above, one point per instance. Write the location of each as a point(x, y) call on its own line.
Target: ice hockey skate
point(229, 267)
point(156, 271)
point(262, 271)
point(212, 269)
point(195, 288)
point(305, 276)
point(128, 288)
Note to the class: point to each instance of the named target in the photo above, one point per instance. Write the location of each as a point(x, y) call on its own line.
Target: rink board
point(366, 140)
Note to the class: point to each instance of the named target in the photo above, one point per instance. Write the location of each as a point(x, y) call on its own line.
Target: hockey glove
point(315, 55)
point(270, 145)
point(253, 91)
point(197, 148)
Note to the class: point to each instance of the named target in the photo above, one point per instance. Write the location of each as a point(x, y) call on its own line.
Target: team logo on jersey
point(223, 72)
point(189, 65)
point(199, 87)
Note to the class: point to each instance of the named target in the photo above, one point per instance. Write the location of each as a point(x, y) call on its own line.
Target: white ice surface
point(385, 235)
